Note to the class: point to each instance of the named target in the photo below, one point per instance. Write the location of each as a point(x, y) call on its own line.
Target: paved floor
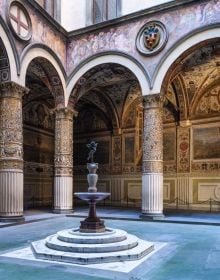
point(192, 253)
point(170, 217)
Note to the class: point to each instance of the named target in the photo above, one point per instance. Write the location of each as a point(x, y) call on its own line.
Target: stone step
point(41, 251)
point(54, 243)
point(75, 236)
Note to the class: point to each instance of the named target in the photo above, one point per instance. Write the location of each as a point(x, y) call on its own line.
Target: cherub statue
point(92, 149)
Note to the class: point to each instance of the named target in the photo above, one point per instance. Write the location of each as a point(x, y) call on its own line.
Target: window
point(103, 10)
point(52, 7)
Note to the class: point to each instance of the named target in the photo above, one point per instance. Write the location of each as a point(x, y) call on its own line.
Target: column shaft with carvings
point(11, 151)
point(63, 181)
point(152, 178)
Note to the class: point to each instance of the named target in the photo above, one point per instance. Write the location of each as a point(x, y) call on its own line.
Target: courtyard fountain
point(92, 223)
point(92, 242)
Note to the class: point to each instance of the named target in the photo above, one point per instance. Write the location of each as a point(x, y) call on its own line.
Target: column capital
point(11, 89)
point(185, 123)
point(152, 101)
point(65, 112)
point(117, 131)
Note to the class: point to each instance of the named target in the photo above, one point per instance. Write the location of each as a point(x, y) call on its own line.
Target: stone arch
point(182, 47)
point(110, 57)
point(52, 67)
point(9, 56)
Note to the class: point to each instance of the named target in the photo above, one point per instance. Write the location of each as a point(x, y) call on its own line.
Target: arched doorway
point(46, 94)
point(192, 151)
point(108, 100)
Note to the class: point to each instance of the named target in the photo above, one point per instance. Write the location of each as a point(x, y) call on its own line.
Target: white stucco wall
point(131, 6)
point(73, 14)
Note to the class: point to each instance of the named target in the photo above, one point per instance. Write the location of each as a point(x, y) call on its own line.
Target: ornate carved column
point(63, 181)
point(11, 151)
point(152, 178)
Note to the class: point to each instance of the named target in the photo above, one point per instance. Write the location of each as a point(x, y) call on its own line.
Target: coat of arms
point(151, 37)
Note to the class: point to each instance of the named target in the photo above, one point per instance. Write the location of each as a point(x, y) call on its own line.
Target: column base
point(17, 219)
point(63, 211)
point(92, 225)
point(152, 216)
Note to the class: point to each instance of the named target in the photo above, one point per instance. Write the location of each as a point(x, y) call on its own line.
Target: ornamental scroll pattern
point(183, 149)
point(11, 137)
point(116, 154)
point(153, 135)
point(64, 142)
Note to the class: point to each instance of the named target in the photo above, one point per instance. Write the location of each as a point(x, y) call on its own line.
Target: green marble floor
point(193, 252)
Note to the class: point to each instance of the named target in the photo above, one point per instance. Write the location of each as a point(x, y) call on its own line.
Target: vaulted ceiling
point(109, 87)
point(196, 83)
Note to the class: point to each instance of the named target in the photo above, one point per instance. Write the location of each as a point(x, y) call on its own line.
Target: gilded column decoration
point(152, 179)
point(63, 160)
point(11, 151)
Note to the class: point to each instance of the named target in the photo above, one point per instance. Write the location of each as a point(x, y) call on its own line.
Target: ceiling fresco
point(42, 75)
point(198, 76)
point(111, 88)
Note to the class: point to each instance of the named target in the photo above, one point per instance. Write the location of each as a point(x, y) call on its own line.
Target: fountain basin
point(92, 196)
point(92, 223)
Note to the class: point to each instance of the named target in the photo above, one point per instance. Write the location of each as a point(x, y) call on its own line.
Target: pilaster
point(184, 187)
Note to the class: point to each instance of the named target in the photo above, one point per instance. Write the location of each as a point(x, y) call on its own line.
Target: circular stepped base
point(86, 248)
point(53, 242)
point(75, 236)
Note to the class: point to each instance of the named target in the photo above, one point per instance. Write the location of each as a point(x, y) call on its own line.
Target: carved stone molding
point(65, 113)
point(152, 101)
point(11, 164)
point(13, 90)
point(152, 167)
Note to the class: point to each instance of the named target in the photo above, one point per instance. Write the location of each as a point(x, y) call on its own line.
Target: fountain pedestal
point(92, 223)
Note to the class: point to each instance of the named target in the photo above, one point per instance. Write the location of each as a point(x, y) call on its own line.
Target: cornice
point(132, 17)
point(114, 22)
point(47, 16)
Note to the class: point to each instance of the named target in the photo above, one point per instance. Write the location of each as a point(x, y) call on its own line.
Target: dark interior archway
point(46, 94)
point(108, 101)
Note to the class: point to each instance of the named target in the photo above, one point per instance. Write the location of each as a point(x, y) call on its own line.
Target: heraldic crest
point(152, 38)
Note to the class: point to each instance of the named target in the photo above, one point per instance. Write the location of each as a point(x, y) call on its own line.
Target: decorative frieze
point(152, 167)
